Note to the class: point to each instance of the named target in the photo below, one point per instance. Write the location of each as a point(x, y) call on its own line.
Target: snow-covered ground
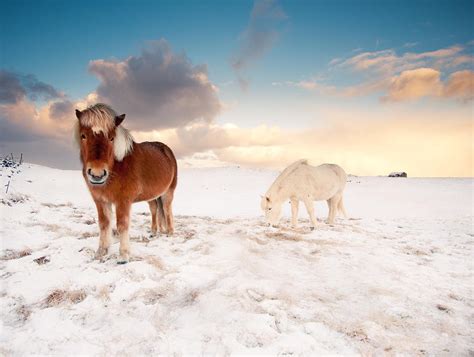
point(395, 278)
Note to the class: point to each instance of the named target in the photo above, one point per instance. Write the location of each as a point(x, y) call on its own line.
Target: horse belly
point(151, 192)
point(154, 187)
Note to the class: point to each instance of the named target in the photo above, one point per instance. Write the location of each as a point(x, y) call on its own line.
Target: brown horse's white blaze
point(119, 172)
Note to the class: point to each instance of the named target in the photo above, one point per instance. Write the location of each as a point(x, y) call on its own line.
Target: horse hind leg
point(168, 211)
point(154, 212)
point(160, 215)
point(333, 204)
point(294, 212)
point(341, 208)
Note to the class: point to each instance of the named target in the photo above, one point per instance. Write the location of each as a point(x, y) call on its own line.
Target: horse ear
point(119, 119)
point(78, 114)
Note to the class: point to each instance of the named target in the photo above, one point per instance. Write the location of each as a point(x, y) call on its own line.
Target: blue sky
point(55, 40)
point(307, 64)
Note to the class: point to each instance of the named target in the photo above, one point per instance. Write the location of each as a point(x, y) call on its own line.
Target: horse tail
point(161, 213)
point(174, 182)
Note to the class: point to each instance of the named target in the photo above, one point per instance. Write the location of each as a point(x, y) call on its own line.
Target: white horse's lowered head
point(303, 182)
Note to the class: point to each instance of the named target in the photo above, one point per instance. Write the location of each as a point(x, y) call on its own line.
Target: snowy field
point(396, 278)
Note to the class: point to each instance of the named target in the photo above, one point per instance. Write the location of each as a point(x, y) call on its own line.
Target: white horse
point(303, 182)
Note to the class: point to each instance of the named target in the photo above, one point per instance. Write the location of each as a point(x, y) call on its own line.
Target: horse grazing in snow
point(303, 182)
point(119, 172)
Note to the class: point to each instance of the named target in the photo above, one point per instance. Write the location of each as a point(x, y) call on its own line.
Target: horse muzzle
point(95, 179)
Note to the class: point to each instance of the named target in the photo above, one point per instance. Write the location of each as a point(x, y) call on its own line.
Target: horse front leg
point(104, 211)
point(310, 208)
point(294, 212)
point(123, 219)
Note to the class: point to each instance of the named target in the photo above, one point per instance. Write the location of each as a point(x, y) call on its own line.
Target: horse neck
point(278, 192)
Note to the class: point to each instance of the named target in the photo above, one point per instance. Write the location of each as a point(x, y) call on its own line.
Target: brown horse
point(119, 172)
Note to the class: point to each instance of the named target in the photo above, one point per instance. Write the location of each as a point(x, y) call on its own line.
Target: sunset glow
point(257, 84)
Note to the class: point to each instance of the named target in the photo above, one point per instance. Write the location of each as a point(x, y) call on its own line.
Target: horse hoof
point(123, 259)
point(100, 253)
point(312, 228)
point(149, 238)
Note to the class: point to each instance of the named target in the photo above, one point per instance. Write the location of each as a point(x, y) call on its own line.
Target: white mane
point(286, 172)
point(101, 119)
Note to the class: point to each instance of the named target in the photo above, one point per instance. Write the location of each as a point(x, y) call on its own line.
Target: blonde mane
point(101, 119)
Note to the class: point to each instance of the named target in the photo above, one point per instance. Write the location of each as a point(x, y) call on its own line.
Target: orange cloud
point(389, 62)
point(413, 84)
point(408, 76)
point(460, 85)
point(423, 82)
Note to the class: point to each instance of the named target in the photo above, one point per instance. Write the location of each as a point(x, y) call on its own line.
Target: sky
point(374, 86)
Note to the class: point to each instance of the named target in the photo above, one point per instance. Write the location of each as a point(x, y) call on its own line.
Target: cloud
point(14, 87)
point(424, 82)
point(18, 121)
point(202, 137)
point(24, 119)
point(421, 142)
point(31, 128)
point(389, 62)
point(408, 85)
point(413, 84)
point(331, 90)
point(382, 61)
point(11, 89)
point(460, 85)
point(61, 110)
point(158, 89)
point(398, 78)
point(259, 36)
point(44, 151)
point(39, 90)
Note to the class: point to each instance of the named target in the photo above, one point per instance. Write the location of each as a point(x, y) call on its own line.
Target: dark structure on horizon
point(398, 174)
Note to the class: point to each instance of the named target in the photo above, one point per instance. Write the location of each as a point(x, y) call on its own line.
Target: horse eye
point(269, 208)
point(83, 136)
point(111, 139)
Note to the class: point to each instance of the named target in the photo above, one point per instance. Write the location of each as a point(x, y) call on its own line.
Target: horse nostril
point(96, 177)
